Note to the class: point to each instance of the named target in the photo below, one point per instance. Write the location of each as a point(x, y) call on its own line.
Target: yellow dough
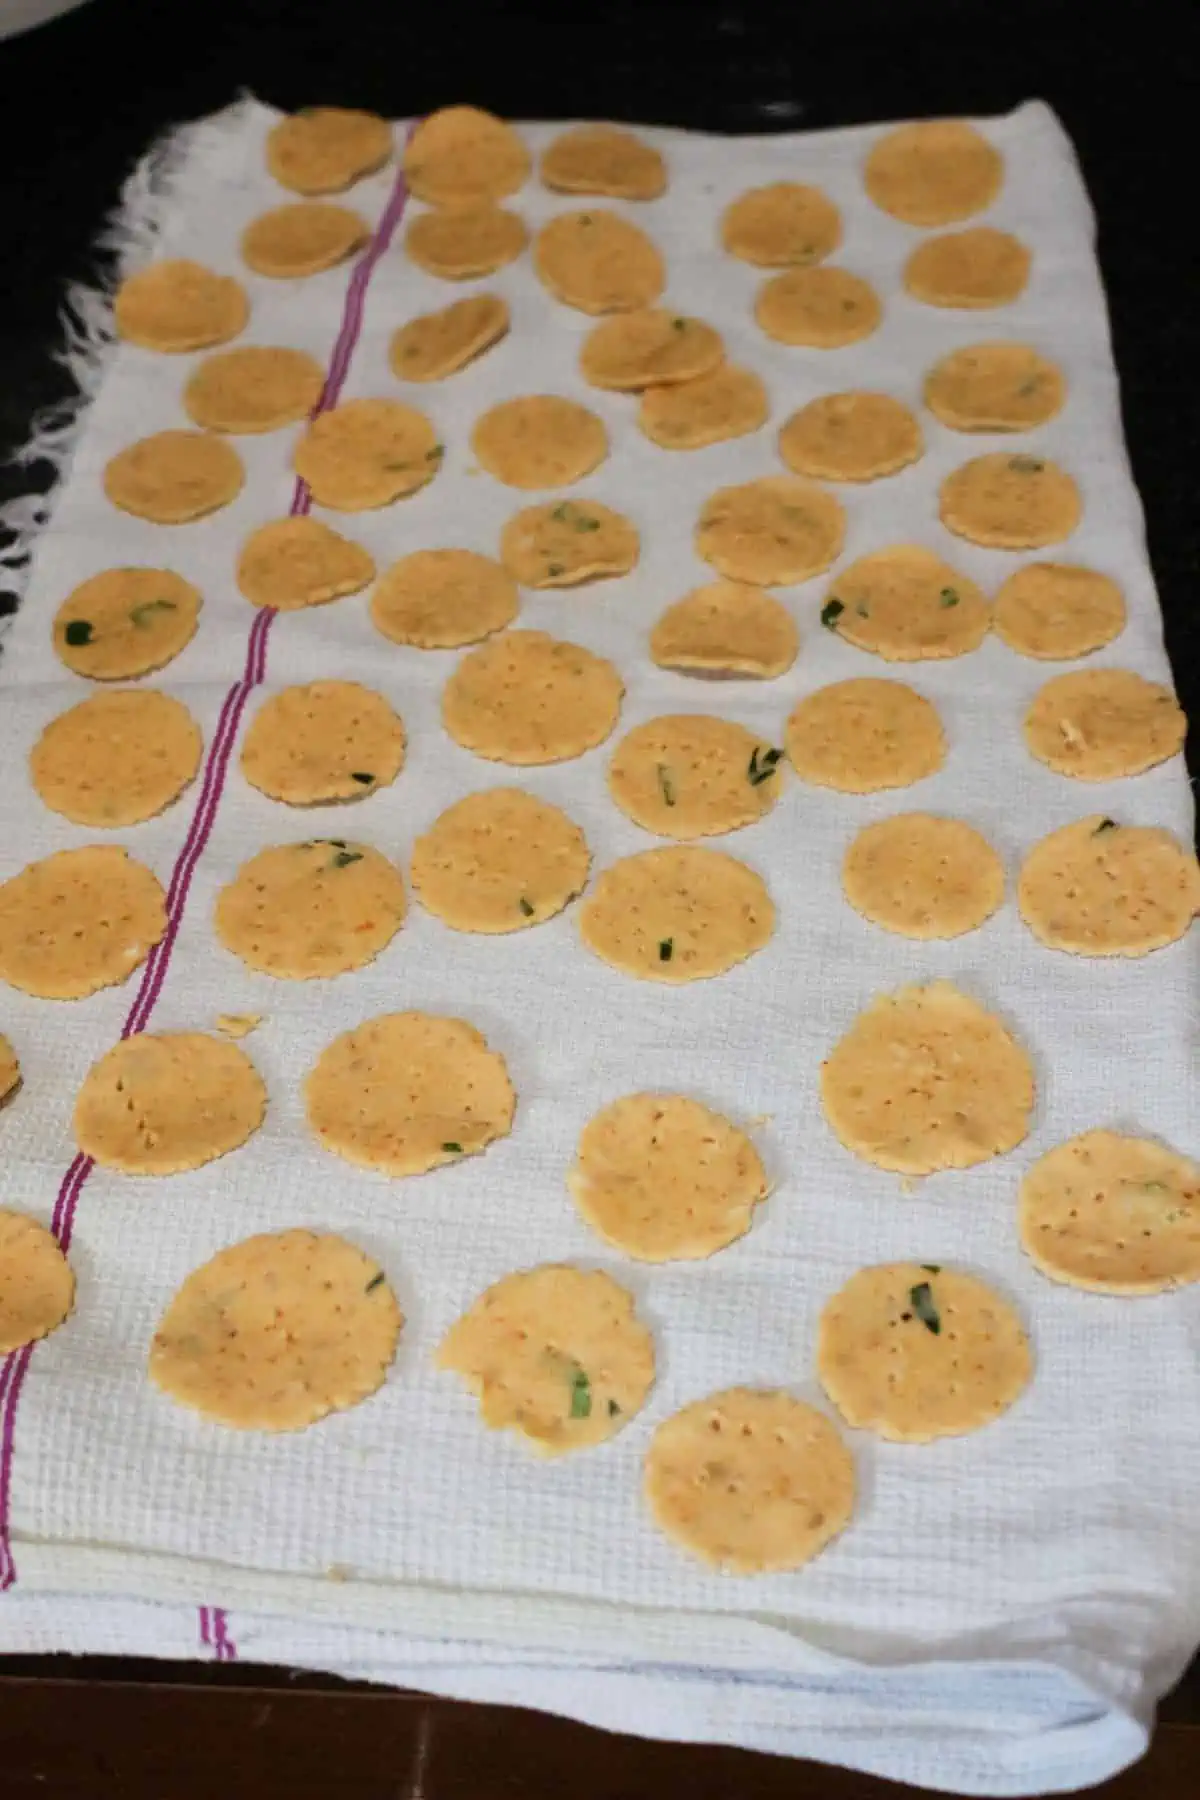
point(309, 911)
point(598, 262)
point(776, 530)
point(664, 1179)
point(934, 172)
point(499, 861)
point(915, 1351)
point(367, 453)
point(1099, 888)
point(647, 349)
point(124, 623)
point(726, 403)
point(1058, 610)
point(164, 1102)
point(462, 244)
point(781, 225)
point(460, 156)
point(686, 775)
point(441, 599)
point(539, 441)
point(972, 269)
point(305, 238)
point(527, 698)
point(555, 1353)
point(10, 1071)
point(174, 477)
point(116, 759)
point(922, 876)
point(322, 743)
point(406, 1092)
point(750, 1481)
point(602, 159)
point(863, 736)
point(925, 1079)
point(851, 437)
point(677, 915)
point(1101, 724)
point(994, 387)
point(253, 389)
point(906, 605)
point(565, 542)
point(1112, 1214)
point(434, 345)
point(1010, 502)
point(178, 306)
point(293, 563)
point(277, 1331)
point(37, 1286)
point(725, 630)
point(820, 308)
point(324, 149)
point(78, 921)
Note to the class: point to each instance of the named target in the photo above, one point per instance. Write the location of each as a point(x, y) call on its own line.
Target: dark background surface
point(79, 101)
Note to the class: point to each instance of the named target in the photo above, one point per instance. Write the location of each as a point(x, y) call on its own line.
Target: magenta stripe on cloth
point(213, 1623)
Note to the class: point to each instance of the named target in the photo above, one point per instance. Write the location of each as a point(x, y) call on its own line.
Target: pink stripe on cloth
point(213, 1625)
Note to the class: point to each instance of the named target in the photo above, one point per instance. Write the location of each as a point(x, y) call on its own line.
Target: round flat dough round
point(304, 238)
point(305, 912)
point(160, 1103)
point(124, 623)
point(650, 348)
point(866, 735)
point(677, 915)
point(749, 1481)
point(922, 876)
point(529, 698)
point(994, 387)
point(293, 563)
point(933, 172)
point(116, 759)
point(822, 308)
point(664, 1179)
point(78, 921)
point(1058, 610)
point(1100, 724)
point(253, 389)
point(499, 861)
point(277, 1331)
point(602, 159)
point(776, 530)
point(925, 1079)
point(367, 453)
point(726, 403)
point(562, 543)
point(725, 630)
point(322, 743)
point(440, 599)
point(10, 1071)
point(1112, 1214)
point(555, 1353)
point(782, 225)
point(174, 476)
point(972, 269)
point(686, 775)
point(915, 1352)
point(179, 306)
point(906, 605)
point(437, 344)
point(539, 441)
point(851, 437)
point(325, 149)
point(462, 244)
point(1098, 888)
point(460, 156)
point(37, 1286)
point(406, 1092)
point(598, 262)
point(1010, 502)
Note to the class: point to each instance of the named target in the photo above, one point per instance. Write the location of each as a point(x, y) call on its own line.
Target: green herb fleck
point(585, 218)
point(613, 1408)
point(360, 775)
point(831, 612)
point(1026, 465)
point(436, 454)
point(78, 632)
point(762, 766)
point(561, 514)
point(375, 1282)
point(678, 325)
point(338, 843)
point(948, 597)
point(1153, 1187)
point(921, 1297)
point(453, 1149)
point(343, 858)
point(1105, 825)
point(666, 949)
point(141, 615)
point(555, 569)
point(863, 610)
point(526, 908)
point(665, 785)
point(1028, 387)
point(934, 1268)
point(581, 1394)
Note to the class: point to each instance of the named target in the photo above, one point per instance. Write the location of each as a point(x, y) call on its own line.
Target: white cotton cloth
point(1005, 1607)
